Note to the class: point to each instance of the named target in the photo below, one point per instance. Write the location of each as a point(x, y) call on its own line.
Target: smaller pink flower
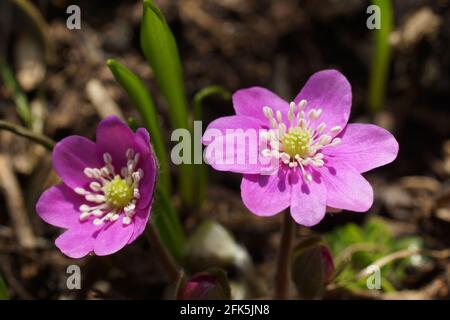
point(105, 199)
point(316, 158)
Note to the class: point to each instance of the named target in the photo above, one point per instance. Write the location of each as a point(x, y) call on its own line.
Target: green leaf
point(141, 98)
point(168, 225)
point(20, 99)
point(4, 295)
point(379, 242)
point(201, 172)
point(160, 50)
point(379, 71)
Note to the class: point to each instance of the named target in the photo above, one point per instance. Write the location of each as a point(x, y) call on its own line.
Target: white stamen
point(336, 129)
point(95, 186)
point(126, 220)
point(321, 127)
point(302, 104)
point(80, 191)
point(308, 177)
point(324, 139)
point(266, 153)
point(107, 158)
point(335, 142)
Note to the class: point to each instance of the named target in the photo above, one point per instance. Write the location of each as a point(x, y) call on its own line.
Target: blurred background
point(60, 77)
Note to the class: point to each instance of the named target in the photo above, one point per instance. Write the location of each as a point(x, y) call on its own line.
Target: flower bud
point(211, 285)
point(312, 269)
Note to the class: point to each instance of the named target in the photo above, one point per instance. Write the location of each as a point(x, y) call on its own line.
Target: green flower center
point(296, 142)
point(118, 192)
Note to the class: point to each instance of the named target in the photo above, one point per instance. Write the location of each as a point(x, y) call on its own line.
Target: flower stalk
point(282, 273)
point(170, 267)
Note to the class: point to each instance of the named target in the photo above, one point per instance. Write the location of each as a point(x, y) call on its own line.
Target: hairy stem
point(282, 275)
point(170, 267)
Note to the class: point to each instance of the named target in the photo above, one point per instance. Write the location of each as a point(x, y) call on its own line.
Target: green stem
point(282, 274)
point(170, 267)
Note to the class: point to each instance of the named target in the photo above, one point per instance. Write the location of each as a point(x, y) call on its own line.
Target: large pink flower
point(319, 158)
point(107, 190)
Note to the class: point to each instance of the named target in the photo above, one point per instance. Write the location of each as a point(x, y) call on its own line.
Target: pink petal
point(250, 102)
point(59, 206)
point(113, 237)
point(308, 202)
point(140, 223)
point(71, 156)
point(148, 165)
point(346, 187)
point(234, 123)
point(330, 91)
point(237, 149)
point(78, 242)
point(266, 195)
point(364, 147)
point(115, 137)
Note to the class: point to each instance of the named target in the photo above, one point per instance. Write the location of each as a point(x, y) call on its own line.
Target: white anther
point(104, 172)
point(88, 172)
point(314, 114)
point(84, 208)
point(318, 156)
point(336, 129)
point(84, 216)
point(266, 153)
point(98, 222)
point(95, 186)
point(306, 161)
point(279, 116)
point(302, 104)
point(273, 123)
point(97, 198)
point(80, 191)
point(335, 142)
point(324, 139)
point(136, 193)
point(107, 157)
point(317, 162)
point(97, 213)
point(115, 217)
point(284, 156)
point(321, 127)
point(291, 111)
point(268, 112)
point(130, 153)
point(126, 220)
point(275, 153)
point(308, 177)
point(302, 123)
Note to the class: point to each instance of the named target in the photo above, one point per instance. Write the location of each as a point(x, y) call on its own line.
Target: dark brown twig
point(26, 133)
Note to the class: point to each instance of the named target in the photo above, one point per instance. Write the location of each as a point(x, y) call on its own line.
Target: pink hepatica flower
point(105, 198)
point(318, 157)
